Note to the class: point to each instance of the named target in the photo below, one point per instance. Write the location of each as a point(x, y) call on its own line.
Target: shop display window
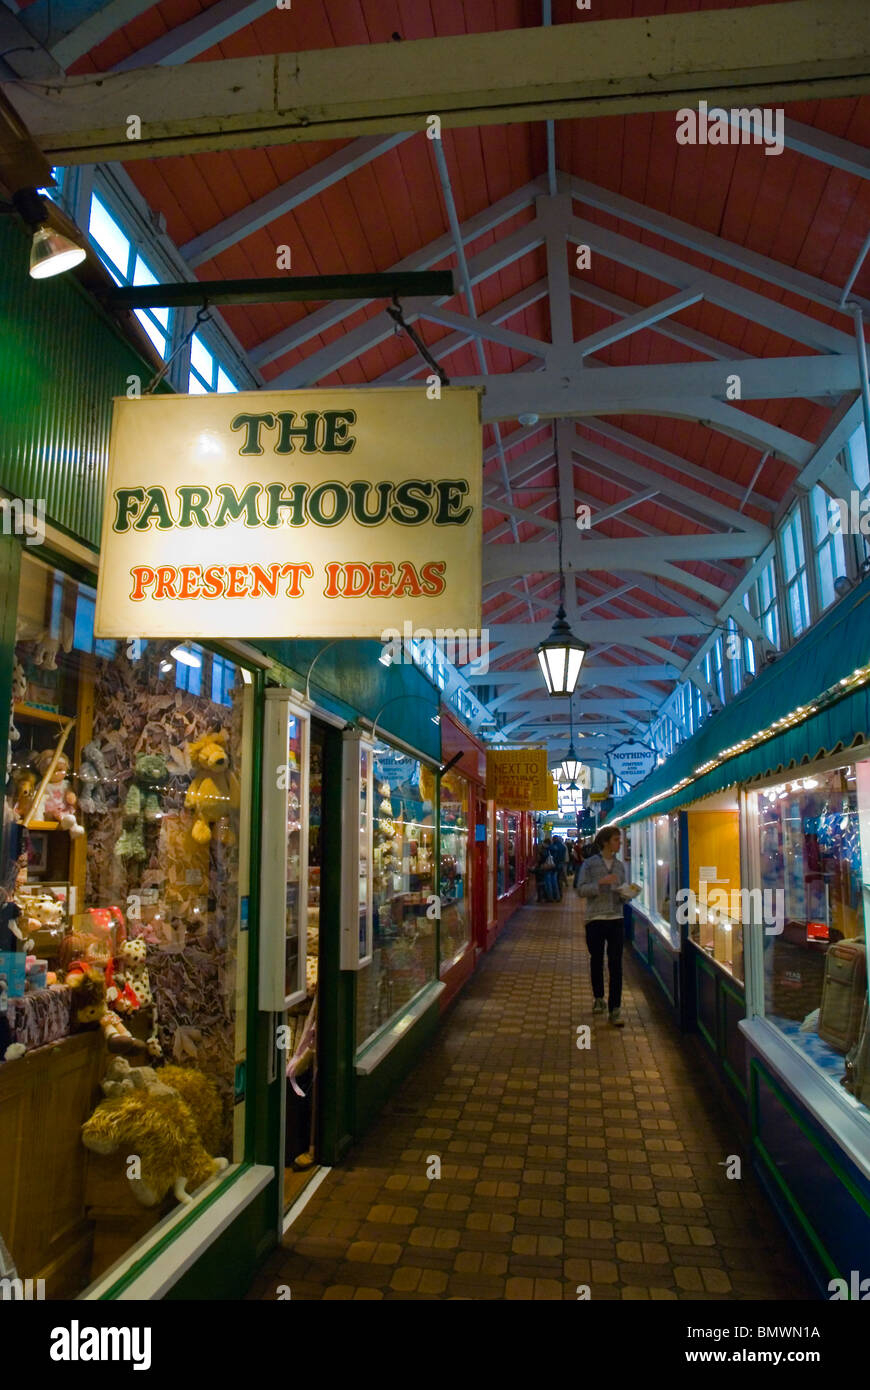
point(512, 832)
point(122, 960)
point(716, 909)
point(500, 843)
point(812, 840)
point(455, 878)
point(491, 840)
point(396, 880)
point(663, 852)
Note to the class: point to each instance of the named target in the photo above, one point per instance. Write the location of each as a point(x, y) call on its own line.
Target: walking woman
point(598, 882)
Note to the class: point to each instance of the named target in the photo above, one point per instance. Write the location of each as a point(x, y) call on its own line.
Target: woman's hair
point(607, 833)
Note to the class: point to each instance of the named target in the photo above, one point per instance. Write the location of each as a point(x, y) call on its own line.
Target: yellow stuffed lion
point(214, 791)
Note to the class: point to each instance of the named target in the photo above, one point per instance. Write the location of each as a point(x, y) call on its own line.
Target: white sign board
point(631, 762)
point(339, 513)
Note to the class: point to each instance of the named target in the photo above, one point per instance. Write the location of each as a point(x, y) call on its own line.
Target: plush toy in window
point(214, 791)
point(142, 805)
point(88, 985)
point(93, 777)
point(166, 1132)
point(58, 800)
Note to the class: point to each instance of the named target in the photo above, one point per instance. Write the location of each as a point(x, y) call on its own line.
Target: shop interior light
point(166, 667)
point(386, 657)
point(186, 655)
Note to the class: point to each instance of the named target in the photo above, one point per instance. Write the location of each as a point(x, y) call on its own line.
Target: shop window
point(662, 848)
point(398, 841)
point(797, 604)
point(512, 834)
point(814, 930)
point(123, 818)
point(640, 866)
point(492, 842)
point(500, 841)
point(715, 910)
point(455, 875)
point(828, 546)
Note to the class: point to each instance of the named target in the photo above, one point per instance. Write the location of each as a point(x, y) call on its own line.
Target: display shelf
point(44, 825)
point(23, 710)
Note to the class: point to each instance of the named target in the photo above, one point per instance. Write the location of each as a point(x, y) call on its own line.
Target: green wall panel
point(61, 362)
point(349, 680)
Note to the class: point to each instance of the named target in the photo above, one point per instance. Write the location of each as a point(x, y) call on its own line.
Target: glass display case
point(809, 838)
point(123, 915)
point(455, 868)
point(388, 937)
point(284, 947)
point(716, 909)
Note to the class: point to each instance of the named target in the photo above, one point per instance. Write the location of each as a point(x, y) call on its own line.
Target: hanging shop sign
point(631, 761)
point(518, 779)
point(338, 513)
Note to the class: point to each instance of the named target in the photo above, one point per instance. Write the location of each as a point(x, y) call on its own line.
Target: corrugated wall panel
point(61, 362)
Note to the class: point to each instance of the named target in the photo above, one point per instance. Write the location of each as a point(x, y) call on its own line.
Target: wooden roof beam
point(788, 52)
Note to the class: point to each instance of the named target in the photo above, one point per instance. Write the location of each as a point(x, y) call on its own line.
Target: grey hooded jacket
point(600, 902)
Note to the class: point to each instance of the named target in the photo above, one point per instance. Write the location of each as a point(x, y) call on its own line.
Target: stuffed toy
point(58, 801)
point(214, 791)
point(93, 775)
point(142, 805)
point(201, 1097)
point(130, 989)
point(162, 1131)
point(120, 1078)
point(45, 651)
point(88, 985)
point(19, 691)
point(24, 780)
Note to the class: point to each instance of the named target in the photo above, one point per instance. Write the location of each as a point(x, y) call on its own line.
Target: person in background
point(541, 855)
point(559, 854)
point(600, 876)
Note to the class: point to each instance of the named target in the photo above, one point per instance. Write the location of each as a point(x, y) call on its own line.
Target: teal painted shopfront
point(750, 849)
point(185, 826)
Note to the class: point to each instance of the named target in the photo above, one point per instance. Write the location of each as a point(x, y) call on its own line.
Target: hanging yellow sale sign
point(339, 513)
point(518, 779)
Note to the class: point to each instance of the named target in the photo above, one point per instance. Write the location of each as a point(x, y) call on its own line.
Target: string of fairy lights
point(859, 677)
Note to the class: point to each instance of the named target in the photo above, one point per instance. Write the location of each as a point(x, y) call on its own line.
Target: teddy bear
point(121, 1077)
point(24, 780)
point(214, 791)
point(58, 801)
point(162, 1131)
point(142, 805)
point(93, 774)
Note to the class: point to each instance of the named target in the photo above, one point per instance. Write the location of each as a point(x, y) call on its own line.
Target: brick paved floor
point(560, 1166)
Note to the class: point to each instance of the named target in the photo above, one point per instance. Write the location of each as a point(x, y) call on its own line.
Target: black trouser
point(603, 932)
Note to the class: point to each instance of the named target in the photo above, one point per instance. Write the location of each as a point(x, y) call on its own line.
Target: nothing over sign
point(631, 762)
point(292, 514)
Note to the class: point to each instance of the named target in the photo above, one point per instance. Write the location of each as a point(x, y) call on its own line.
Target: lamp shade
point(51, 253)
point(571, 765)
point(561, 656)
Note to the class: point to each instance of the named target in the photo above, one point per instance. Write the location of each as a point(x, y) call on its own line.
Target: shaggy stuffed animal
point(142, 805)
point(162, 1132)
point(214, 791)
point(201, 1097)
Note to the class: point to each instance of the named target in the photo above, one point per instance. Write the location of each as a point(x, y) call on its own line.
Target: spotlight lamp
point(51, 253)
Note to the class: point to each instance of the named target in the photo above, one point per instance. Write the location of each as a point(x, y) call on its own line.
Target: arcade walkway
point(560, 1166)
